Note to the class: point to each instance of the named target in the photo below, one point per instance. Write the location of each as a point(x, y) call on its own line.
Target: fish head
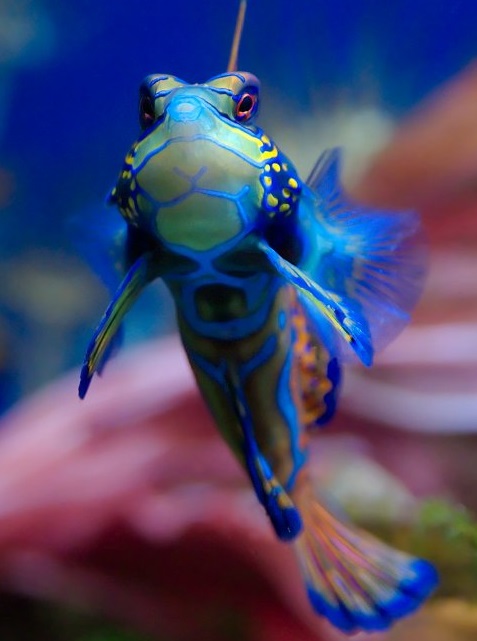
point(193, 177)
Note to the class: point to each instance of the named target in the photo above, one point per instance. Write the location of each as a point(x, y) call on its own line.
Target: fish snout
point(185, 108)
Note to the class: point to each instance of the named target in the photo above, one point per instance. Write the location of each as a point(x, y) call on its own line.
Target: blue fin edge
point(409, 595)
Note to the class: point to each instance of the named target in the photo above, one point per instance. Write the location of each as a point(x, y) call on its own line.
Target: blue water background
point(68, 113)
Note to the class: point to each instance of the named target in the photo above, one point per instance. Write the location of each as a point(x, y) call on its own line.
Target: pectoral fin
point(376, 258)
point(343, 314)
point(142, 272)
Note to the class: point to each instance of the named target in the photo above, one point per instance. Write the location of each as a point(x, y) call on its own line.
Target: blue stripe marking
point(220, 90)
point(288, 410)
point(144, 134)
point(164, 92)
point(197, 190)
point(227, 75)
point(194, 138)
point(161, 78)
point(285, 520)
point(333, 373)
point(215, 372)
point(157, 79)
point(232, 330)
point(259, 358)
point(227, 92)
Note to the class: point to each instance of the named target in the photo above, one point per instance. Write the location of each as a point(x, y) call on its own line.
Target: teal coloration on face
point(196, 177)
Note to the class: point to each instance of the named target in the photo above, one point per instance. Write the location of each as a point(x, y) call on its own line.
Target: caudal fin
point(354, 580)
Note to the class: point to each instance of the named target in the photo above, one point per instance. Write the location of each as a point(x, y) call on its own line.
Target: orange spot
point(311, 361)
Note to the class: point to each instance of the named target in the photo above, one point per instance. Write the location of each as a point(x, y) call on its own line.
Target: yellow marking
point(286, 193)
point(248, 137)
point(272, 201)
point(293, 183)
point(113, 192)
point(126, 212)
point(268, 181)
point(260, 192)
point(284, 501)
point(126, 174)
point(284, 207)
point(266, 139)
point(131, 204)
point(273, 153)
point(276, 167)
point(129, 159)
point(267, 167)
point(133, 185)
point(272, 485)
point(311, 365)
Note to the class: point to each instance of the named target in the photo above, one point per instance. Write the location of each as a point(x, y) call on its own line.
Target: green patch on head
point(200, 222)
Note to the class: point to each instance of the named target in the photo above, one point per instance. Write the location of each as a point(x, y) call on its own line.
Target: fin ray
point(106, 335)
point(376, 258)
point(342, 313)
point(354, 580)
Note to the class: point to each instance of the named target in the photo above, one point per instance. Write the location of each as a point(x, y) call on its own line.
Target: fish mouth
point(189, 113)
point(187, 109)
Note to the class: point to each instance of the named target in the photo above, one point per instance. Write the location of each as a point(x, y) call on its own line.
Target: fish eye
point(245, 107)
point(147, 114)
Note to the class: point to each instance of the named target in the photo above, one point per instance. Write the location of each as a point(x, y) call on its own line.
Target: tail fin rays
point(354, 580)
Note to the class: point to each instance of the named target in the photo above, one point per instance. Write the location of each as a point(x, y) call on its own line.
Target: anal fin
point(280, 508)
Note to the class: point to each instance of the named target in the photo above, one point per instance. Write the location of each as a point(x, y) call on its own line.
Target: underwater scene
point(279, 441)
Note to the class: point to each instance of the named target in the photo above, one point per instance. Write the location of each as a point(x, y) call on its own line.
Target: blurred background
point(395, 84)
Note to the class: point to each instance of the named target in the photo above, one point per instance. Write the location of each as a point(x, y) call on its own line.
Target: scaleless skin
point(274, 279)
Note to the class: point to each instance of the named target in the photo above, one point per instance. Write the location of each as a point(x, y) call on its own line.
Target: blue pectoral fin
point(343, 314)
point(281, 510)
point(114, 345)
point(106, 335)
point(110, 246)
point(100, 241)
point(376, 258)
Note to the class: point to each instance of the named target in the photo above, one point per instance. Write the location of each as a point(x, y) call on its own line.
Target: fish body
point(275, 280)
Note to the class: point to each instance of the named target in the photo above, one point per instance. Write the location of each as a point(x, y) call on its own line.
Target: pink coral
point(130, 503)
